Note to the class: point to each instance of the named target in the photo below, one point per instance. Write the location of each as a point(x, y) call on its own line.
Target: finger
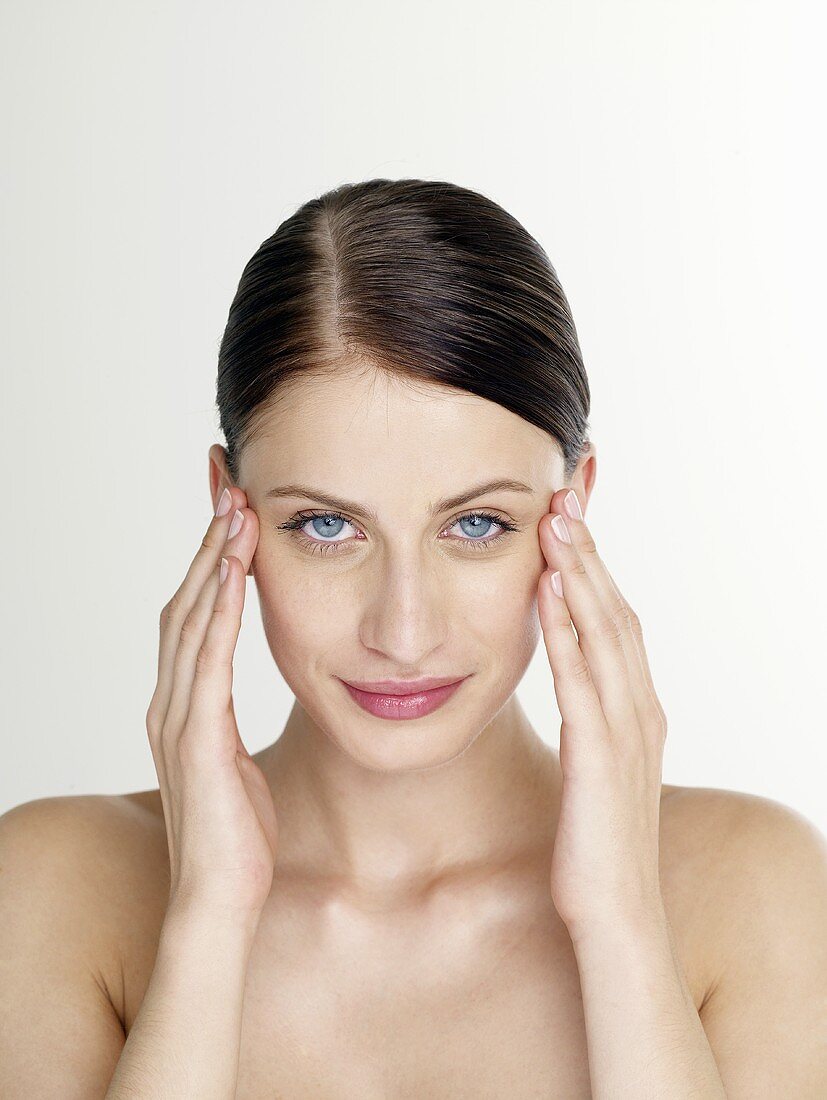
point(193, 632)
point(183, 600)
point(598, 634)
point(647, 704)
point(577, 695)
point(212, 686)
point(640, 647)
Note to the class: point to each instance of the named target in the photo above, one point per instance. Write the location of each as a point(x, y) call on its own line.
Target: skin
point(467, 805)
point(456, 908)
point(387, 810)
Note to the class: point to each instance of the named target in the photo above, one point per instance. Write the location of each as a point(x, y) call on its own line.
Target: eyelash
point(300, 519)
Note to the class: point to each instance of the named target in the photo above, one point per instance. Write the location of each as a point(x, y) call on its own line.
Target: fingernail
point(572, 505)
point(557, 583)
point(560, 529)
point(235, 526)
point(222, 572)
point(224, 503)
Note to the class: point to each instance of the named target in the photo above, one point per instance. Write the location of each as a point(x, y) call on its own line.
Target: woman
point(408, 893)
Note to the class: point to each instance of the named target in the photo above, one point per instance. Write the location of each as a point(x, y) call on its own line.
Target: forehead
point(369, 429)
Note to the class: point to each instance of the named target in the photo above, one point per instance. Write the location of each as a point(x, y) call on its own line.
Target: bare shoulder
point(751, 876)
point(735, 825)
point(103, 860)
point(100, 847)
point(725, 843)
point(106, 832)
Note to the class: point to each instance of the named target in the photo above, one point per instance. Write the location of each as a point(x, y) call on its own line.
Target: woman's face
point(401, 587)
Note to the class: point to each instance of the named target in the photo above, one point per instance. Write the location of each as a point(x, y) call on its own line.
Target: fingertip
point(556, 503)
point(554, 607)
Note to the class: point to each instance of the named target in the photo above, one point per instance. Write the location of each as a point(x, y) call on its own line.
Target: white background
point(670, 159)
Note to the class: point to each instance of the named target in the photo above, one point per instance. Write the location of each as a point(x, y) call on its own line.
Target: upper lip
point(404, 687)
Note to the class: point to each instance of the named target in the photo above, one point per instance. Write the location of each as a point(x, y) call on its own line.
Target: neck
point(398, 833)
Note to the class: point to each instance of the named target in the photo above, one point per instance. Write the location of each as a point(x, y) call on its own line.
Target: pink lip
point(388, 700)
point(403, 687)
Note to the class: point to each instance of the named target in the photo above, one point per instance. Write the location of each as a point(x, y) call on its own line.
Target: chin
point(425, 743)
point(391, 745)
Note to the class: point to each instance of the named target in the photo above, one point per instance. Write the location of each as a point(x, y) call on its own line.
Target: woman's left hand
point(605, 860)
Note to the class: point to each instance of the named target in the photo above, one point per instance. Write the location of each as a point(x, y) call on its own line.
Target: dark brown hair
point(423, 279)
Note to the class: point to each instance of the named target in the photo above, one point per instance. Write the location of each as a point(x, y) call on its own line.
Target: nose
point(407, 619)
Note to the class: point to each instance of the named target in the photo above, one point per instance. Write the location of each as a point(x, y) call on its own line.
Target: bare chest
point(396, 1005)
point(478, 998)
point(381, 1011)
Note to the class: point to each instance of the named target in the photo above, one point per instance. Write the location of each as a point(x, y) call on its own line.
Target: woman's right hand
point(219, 813)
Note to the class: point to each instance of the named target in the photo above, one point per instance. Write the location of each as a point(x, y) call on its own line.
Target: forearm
point(185, 1039)
point(644, 1035)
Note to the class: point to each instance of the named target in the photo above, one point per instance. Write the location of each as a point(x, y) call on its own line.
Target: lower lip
point(403, 706)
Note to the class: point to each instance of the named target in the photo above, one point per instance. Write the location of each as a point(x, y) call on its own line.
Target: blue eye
point(331, 523)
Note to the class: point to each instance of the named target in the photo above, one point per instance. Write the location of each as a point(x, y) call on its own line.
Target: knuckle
point(219, 615)
point(577, 568)
point(587, 544)
point(170, 610)
point(210, 539)
point(154, 717)
point(204, 661)
point(209, 657)
point(580, 672)
point(620, 612)
point(607, 628)
point(190, 628)
point(151, 718)
point(634, 622)
point(155, 737)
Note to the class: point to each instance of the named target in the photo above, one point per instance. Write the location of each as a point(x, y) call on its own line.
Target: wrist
point(195, 921)
point(632, 920)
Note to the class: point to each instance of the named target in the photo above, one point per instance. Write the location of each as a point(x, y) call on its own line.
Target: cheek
point(496, 606)
point(514, 629)
point(499, 608)
point(303, 621)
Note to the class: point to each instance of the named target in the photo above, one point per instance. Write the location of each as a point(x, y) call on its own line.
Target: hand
point(605, 859)
point(219, 813)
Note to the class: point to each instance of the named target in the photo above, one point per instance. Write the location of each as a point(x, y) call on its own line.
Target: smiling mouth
point(402, 705)
point(403, 687)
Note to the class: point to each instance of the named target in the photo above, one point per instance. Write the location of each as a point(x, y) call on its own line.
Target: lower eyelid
point(505, 530)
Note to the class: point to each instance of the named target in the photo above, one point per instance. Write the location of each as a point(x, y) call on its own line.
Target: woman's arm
point(185, 1039)
point(221, 830)
point(644, 1035)
point(762, 1032)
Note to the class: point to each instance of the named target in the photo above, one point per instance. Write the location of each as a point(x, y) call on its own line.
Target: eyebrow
point(507, 485)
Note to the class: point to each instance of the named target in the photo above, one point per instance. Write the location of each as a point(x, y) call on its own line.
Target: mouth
point(396, 700)
point(403, 687)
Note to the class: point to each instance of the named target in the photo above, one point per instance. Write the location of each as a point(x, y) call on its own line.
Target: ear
point(219, 475)
point(584, 476)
